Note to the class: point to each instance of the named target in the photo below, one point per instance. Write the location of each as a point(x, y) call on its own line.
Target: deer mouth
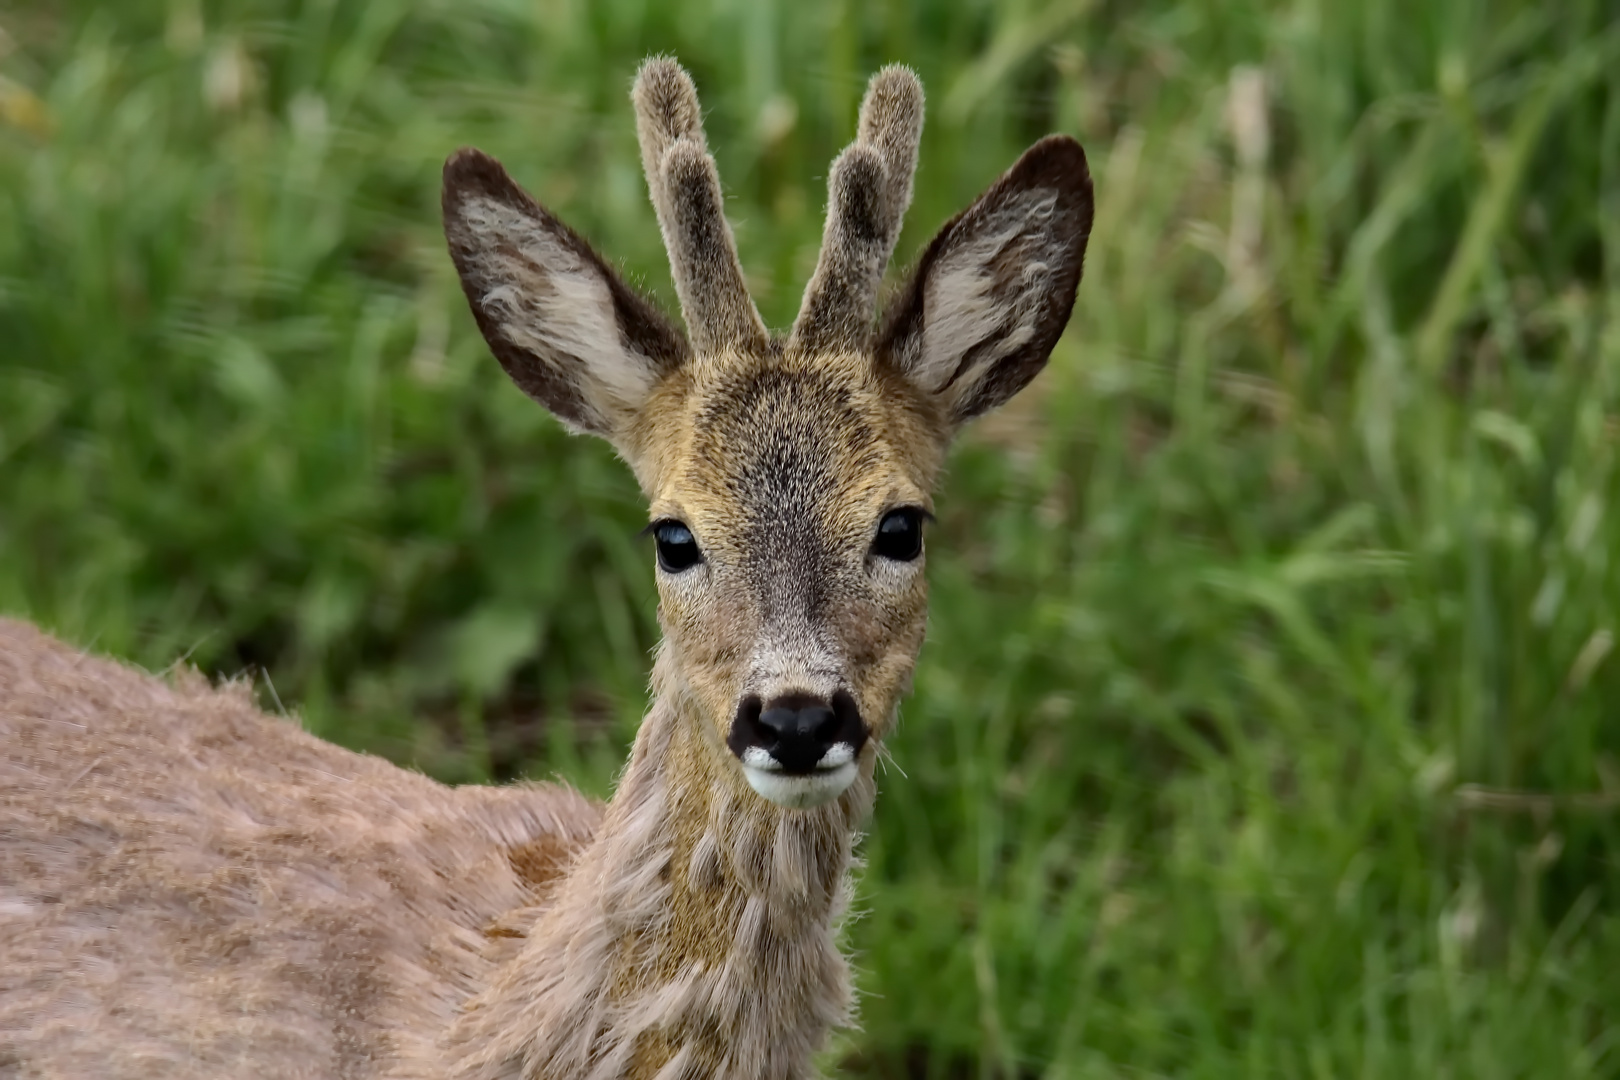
point(828, 779)
point(799, 750)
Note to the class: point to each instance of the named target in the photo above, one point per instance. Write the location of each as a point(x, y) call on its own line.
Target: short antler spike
point(685, 187)
point(892, 120)
point(868, 192)
point(666, 106)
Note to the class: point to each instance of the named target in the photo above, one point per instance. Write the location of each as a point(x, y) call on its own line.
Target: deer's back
point(191, 888)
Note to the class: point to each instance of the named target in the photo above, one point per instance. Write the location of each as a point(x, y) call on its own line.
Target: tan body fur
point(191, 888)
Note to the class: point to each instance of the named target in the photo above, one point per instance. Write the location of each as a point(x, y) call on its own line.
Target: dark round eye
point(899, 535)
point(677, 547)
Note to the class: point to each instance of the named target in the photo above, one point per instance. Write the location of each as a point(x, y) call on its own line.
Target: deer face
point(789, 497)
point(789, 479)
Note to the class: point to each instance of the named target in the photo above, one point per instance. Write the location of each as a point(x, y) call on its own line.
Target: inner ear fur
point(977, 317)
point(563, 324)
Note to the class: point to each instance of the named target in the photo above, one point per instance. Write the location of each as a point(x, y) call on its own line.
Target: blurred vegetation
point(1267, 725)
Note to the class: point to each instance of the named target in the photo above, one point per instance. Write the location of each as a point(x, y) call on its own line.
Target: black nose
point(797, 730)
point(800, 730)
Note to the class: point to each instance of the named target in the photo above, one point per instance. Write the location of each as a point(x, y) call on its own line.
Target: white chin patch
point(834, 773)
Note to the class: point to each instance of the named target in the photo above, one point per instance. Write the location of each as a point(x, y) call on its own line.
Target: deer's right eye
point(899, 535)
point(677, 547)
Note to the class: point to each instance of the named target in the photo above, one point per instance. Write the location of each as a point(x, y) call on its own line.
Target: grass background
point(1267, 725)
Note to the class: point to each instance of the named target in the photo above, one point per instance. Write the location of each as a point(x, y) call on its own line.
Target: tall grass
point(1267, 725)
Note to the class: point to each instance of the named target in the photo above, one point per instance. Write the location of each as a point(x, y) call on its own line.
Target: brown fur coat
point(191, 888)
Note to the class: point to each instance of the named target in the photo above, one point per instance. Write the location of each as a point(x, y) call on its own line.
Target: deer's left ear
point(978, 317)
point(566, 328)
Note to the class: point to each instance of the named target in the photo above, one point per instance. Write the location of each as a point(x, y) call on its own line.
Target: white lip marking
point(837, 754)
point(800, 792)
point(757, 757)
point(833, 774)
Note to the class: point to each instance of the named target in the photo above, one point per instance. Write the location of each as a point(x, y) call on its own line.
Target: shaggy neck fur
point(695, 936)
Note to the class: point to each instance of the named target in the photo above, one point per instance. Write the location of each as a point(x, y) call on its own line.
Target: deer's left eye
point(899, 535)
point(677, 547)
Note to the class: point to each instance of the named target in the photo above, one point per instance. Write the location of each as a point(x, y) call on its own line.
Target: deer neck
point(694, 936)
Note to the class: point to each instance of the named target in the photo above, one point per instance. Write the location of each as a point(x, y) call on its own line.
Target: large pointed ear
point(569, 332)
point(978, 317)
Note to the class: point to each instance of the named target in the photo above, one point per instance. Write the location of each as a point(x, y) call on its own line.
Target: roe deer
point(189, 888)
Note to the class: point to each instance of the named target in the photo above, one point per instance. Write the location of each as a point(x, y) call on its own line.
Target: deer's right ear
point(566, 328)
point(992, 293)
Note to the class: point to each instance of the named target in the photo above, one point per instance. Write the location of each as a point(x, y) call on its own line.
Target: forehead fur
point(751, 439)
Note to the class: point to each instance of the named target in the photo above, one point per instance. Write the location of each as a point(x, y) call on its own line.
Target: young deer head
point(789, 476)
